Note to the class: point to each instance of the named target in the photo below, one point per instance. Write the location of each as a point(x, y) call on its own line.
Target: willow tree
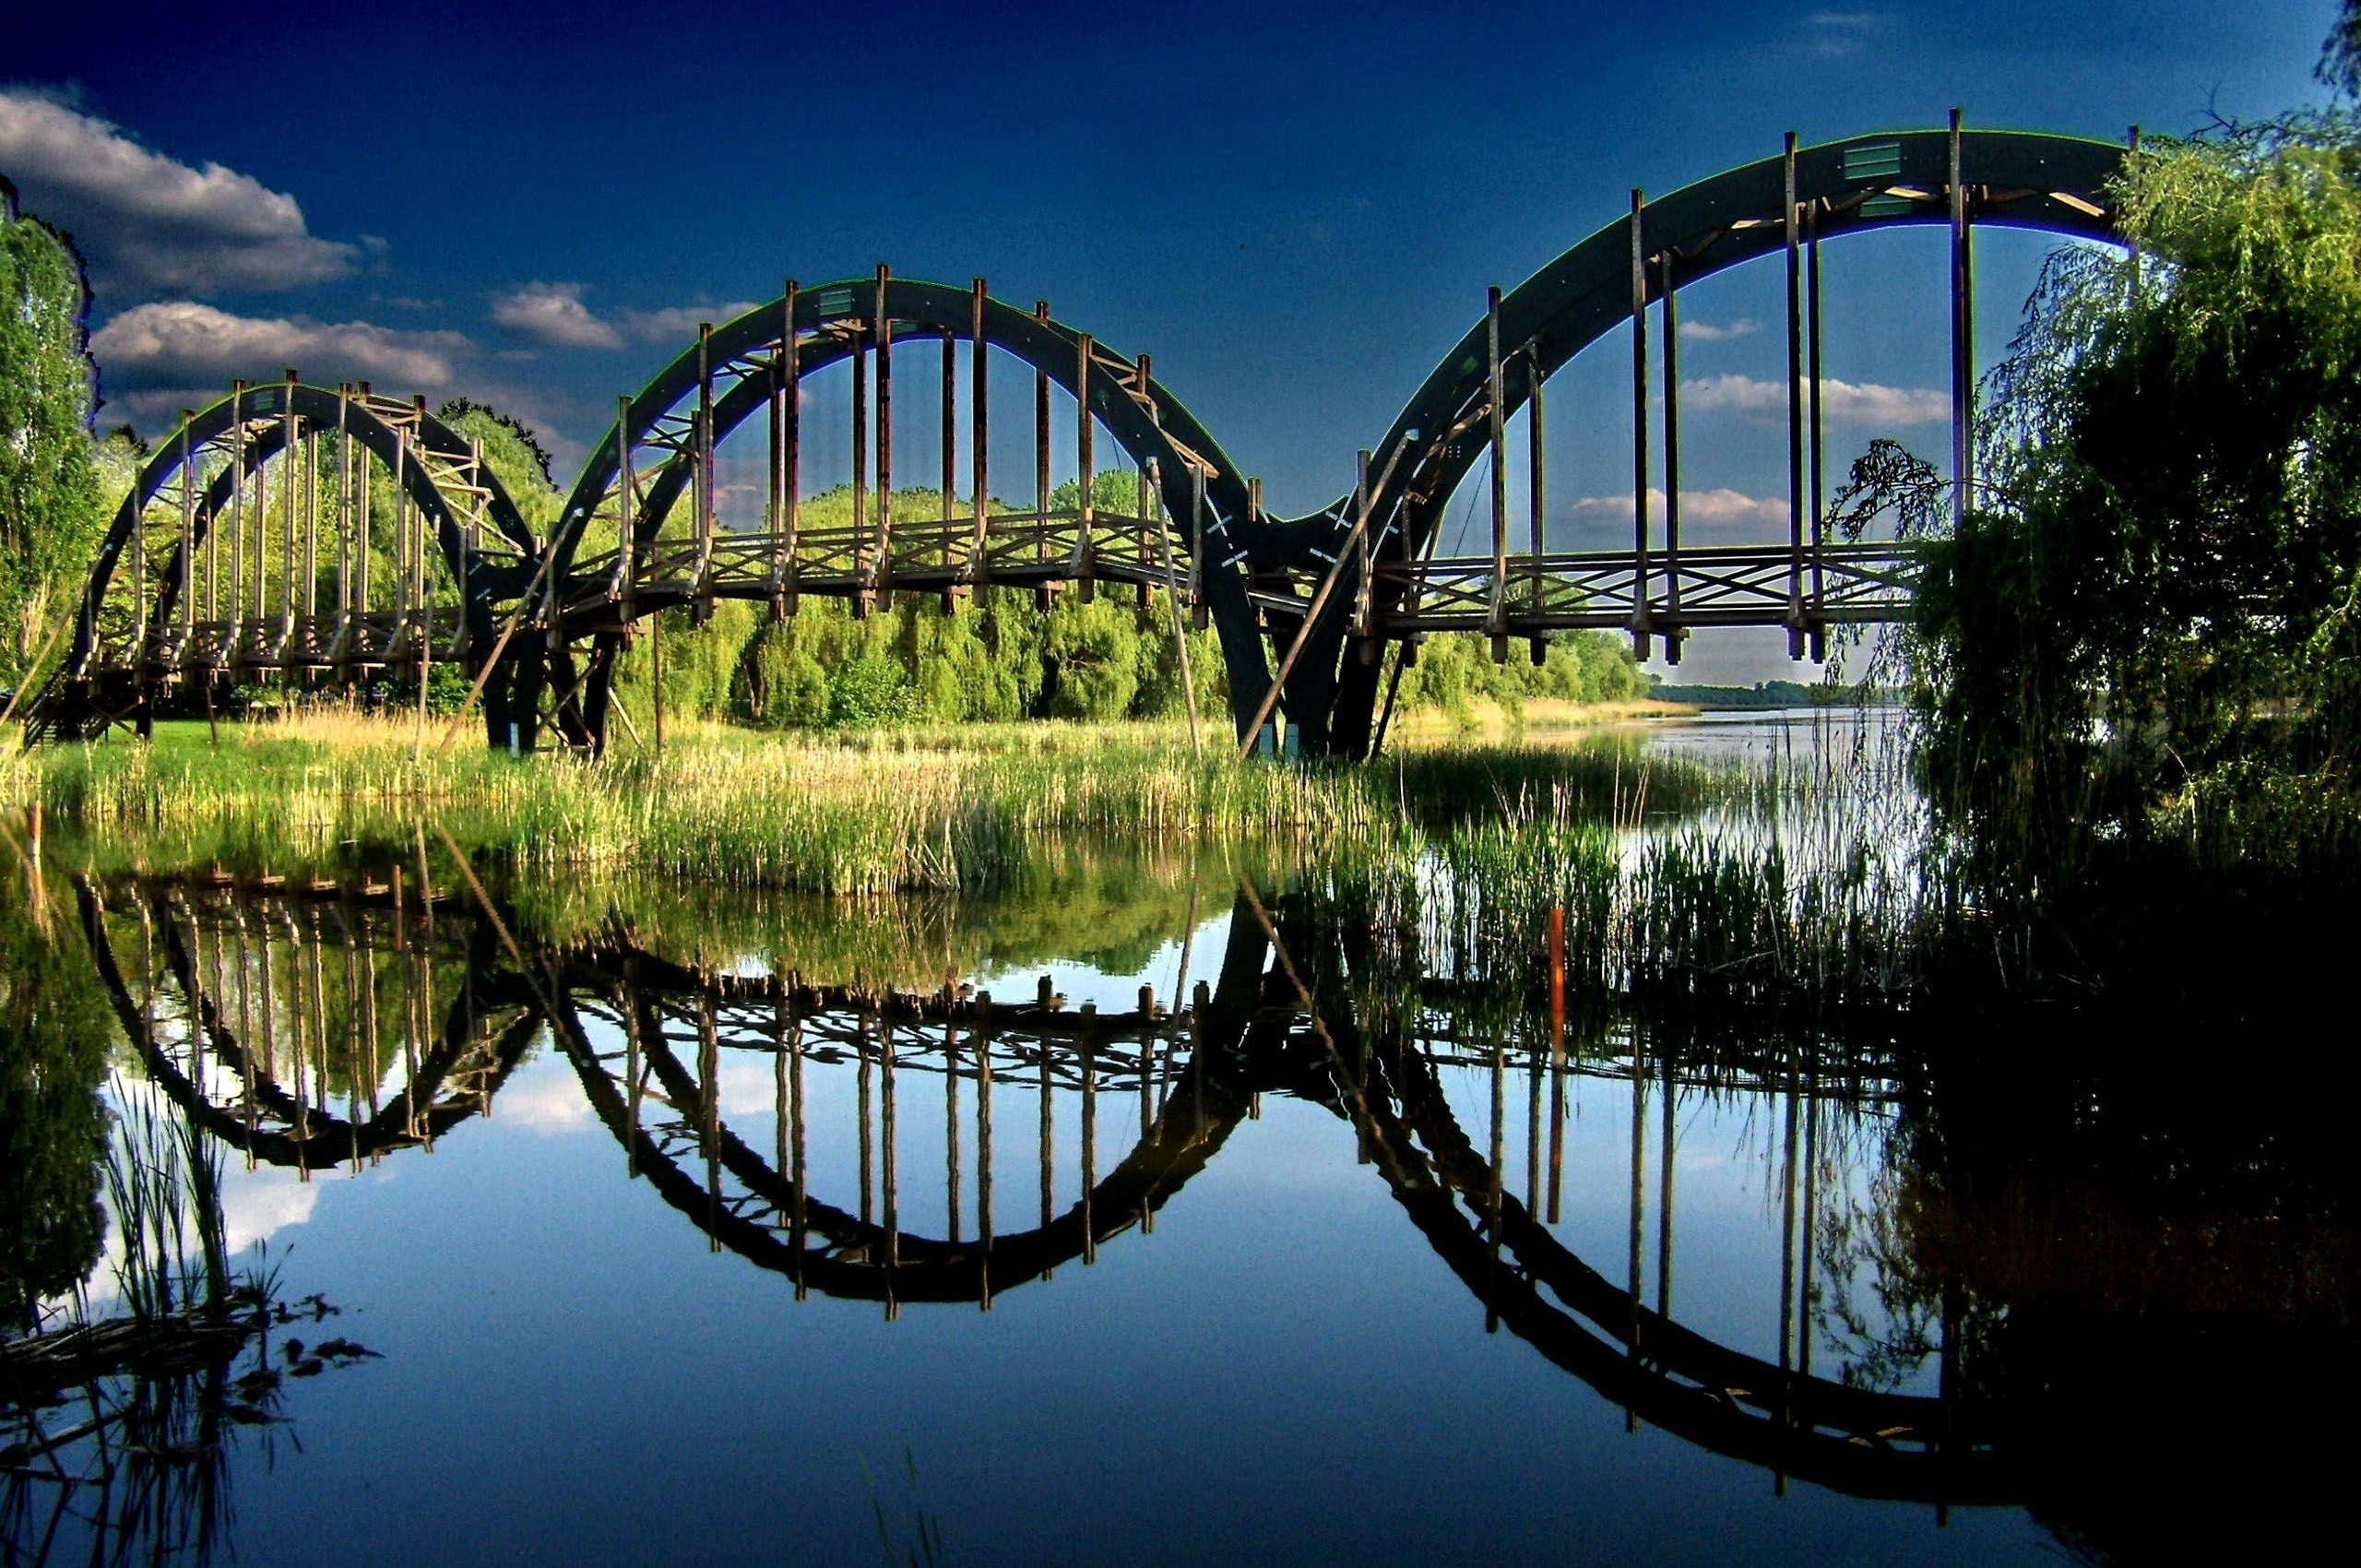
point(50, 510)
point(2153, 605)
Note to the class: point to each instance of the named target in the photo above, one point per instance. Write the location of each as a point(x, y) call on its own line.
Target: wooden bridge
point(307, 537)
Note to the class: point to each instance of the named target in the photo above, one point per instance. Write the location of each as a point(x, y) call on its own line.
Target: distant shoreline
point(1773, 694)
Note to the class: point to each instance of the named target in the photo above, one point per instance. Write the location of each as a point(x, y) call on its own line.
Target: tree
point(51, 516)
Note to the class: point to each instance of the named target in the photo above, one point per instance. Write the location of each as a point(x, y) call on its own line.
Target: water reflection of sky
point(1283, 1371)
point(1286, 1371)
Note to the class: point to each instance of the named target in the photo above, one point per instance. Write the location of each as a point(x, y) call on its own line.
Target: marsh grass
point(898, 811)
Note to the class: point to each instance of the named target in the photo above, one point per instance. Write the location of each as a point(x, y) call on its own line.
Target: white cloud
point(1845, 402)
point(148, 224)
point(1837, 35)
point(679, 324)
point(544, 1096)
point(183, 343)
point(552, 316)
point(1723, 512)
point(1717, 332)
point(257, 1205)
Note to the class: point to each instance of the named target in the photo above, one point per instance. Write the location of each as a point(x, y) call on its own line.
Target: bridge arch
point(249, 1062)
point(251, 462)
point(660, 452)
point(763, 1205)
point(1782, 205)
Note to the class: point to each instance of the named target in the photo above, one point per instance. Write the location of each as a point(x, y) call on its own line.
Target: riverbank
point(895, 810)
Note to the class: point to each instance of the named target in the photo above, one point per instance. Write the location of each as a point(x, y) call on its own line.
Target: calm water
point(668, 1226)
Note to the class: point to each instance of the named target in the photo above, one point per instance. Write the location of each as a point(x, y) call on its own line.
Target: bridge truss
point(244, 553)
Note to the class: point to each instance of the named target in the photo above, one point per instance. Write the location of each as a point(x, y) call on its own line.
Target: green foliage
point(514, 453)
point(55, 1029)
point(1456, 671)
point(51, 515)
point(2158, 592)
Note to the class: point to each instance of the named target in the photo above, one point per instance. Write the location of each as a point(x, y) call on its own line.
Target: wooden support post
point(191, 483)
point(799, 1221)
point(984, 1151)
point(889, 1147)
point(1142, 532)
point(291, 474)
point(863, 1096)
point(1089, 1133)
point(1556, 1058)
point(1495, 1158)
point(791, 462)
point(1537, 506)
point(361, 563)
point(343, 518)
point(1642, 621)
point(951, 1184)
point(237, 519)
point(251, 611)
point(1496, 394)
point(774, 474)
point(1667, 1143)
point(1048, 1139)
point(1364, 600)
point(312, 533)
point(425, 607)
point(1200, 612)
point(1808, 1252)
point(401, 539)
point(1639, 1214)
point(1963, 335)
point(702, 494)
point(864, 580)
point(1788, 1249)
point(1673, 633)
point(1818, 455)
point(885, 328)
point(978, 429)
point(626, 515)
point(1041, 456)
point(1084, 564)
point(1795, 617)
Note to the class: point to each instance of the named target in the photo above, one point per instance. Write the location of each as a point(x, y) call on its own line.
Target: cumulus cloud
point(552, 316)
point(182, 342)
point(151, 225)
point(1717, 332)
point(1722, 512)
point(258, 1204)
point(1846, 402)
point(679, 324)
point(542, 1100)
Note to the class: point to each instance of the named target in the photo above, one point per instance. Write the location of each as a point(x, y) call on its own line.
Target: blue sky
point(1296, 210)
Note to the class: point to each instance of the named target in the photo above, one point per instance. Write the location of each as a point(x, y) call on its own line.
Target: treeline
point(1769, 694)
point(1002, 658)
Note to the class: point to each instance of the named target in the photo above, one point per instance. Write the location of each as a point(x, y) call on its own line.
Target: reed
point(908, 811)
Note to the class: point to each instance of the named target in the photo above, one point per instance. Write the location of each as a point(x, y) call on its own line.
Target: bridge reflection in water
point(885, 1146)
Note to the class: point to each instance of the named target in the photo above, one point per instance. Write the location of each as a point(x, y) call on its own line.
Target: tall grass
point(906, 811)
point(163, 1182)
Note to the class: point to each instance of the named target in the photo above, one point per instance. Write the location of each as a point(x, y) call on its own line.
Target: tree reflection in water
point(2029, 1272)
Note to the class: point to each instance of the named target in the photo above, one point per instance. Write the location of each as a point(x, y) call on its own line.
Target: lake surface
point(1135, 1218)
